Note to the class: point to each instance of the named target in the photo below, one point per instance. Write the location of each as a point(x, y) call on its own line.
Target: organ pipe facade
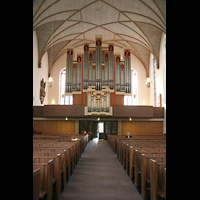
point(98, 69)
point(73, 73)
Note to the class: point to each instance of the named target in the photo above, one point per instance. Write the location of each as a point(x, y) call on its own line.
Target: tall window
point(154, 78)
point(64, 100)
point(132, 100)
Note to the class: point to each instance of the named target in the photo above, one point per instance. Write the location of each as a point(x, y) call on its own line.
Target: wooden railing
point(78, 111)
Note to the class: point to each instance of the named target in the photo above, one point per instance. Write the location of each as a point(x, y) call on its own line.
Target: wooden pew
point(36, 183)
point(157, 179)
point(69, 145)
point(141, 149)
point(112, 139)
point(145, 170)
point(137, 164)
point(64, 164)
point(124, 149)
point(72, 147)
point(65, 152)
point(122, 145)
point(46, 179)
point(56, 169)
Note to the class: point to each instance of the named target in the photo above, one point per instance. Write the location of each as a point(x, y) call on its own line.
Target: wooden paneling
point(111, 99)
point(38, 111)
point(132, 111)
point(85, 99)
point(142, 128)
point(76, 99)
point(119, 99)
point(63, 110)
point(59, 126)
point(54, 126)
point(158, 112)
point(77, 110)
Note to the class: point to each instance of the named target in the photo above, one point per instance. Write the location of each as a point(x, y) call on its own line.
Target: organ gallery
point(98, 73)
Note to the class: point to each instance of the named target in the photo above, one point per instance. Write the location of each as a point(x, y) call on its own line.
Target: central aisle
point(99, 175)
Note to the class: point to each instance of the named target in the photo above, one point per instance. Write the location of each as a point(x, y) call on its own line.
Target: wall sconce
point(148, 82)
point(143, 102)
point(50, 81)
point(98, 119)
point(53, 101)
point(130, 119)
point(66, 118)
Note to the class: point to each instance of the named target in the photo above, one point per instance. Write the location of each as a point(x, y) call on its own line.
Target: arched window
point(132, 100)
point(64, 100)
point(154, 79)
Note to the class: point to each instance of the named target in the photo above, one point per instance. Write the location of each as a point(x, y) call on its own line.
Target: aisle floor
point(99, 176)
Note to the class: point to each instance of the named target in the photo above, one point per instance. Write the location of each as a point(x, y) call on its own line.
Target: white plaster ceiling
point(135, 23)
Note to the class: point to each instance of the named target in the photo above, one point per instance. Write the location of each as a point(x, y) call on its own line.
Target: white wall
point(161, 76)
point(55, 73)
point(143, 91)
point(39, 73)
point(151, 95)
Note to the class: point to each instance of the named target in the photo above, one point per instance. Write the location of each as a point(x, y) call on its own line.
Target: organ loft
point(98, 73)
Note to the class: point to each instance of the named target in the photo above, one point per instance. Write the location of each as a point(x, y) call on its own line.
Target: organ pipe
point(85, 65)
point(127, 70)
point(111, 65)
point(68, 86)
point(117, 64)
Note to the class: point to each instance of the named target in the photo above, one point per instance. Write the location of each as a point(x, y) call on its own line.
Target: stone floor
point(99, 175)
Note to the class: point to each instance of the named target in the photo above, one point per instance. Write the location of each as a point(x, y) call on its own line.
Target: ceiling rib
point(145, 29)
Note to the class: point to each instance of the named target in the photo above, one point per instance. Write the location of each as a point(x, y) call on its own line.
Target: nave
point(99, 175)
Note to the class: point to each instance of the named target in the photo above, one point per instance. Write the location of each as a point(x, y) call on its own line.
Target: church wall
point(151, 93)
point(55, 74)
point(143, 91)
point(160, 79)
point(39, 73)
point(142, 128)
point(161, 76)
point(54, 126)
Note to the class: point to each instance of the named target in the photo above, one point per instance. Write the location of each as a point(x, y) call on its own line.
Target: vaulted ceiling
point(135, 23)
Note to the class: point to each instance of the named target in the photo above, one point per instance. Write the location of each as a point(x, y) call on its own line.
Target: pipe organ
point(98, 73)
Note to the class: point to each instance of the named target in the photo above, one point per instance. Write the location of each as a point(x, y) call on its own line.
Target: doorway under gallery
point(98, 129)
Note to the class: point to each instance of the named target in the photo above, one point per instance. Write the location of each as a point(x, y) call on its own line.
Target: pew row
point(157, 179)
point(56, 169)
point(46, 179)
point(36, 183)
